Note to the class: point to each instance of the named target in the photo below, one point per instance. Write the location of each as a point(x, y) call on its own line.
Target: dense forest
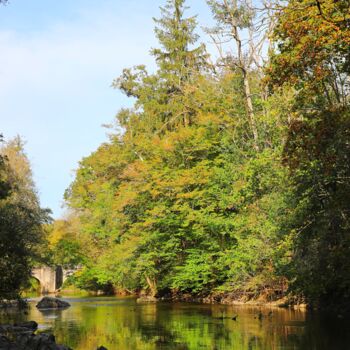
point(226, 178)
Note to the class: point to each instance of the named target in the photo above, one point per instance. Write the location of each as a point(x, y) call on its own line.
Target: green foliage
point(68, 253)
point(212, 185)
point(313, 58)
point(164, 98)
point(219, 179)
point(321, 219)
point(174, 201)
point(93, 279)
point(21, 220)
point(177, 60)
point(199, 272)
point(65, 248)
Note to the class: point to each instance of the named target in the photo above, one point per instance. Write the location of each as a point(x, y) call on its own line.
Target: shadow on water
point(121, 323)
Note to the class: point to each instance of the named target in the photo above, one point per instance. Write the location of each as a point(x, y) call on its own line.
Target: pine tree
point(164, 98)
point(177, 61)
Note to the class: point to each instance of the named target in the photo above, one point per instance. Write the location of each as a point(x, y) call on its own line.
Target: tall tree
point(171, 203)
point(165, 96)
point(21, 220)
point(177, 59)
point(312, 42)
point(236, 21)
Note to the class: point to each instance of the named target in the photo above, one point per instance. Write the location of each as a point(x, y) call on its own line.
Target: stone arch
point(50, 278)
point(37, 284)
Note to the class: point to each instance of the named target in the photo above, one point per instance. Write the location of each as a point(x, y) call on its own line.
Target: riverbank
point(233, 299)
point(224, 298)
point(229, 300)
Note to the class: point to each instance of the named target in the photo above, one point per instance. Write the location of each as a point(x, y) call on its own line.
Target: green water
point(121, 323)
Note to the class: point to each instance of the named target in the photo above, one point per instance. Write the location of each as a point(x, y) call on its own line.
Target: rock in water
point(19, 328)
point(29, 324)
point(39, 342)
point(31, 342)
point(52, 303)
point(6, 344)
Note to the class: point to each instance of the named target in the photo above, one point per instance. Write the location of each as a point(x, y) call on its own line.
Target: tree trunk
point(152, 284)
point(243, 66)
point(250, 108)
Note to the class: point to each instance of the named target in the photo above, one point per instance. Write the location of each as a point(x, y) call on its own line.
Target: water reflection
point(125, 325)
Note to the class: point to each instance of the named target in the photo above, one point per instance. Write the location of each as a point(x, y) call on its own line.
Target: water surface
point(123, 324)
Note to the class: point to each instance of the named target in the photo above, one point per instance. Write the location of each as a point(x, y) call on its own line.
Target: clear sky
point(57, 62)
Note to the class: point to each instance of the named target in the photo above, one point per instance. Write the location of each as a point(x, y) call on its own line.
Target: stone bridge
point(51, 278)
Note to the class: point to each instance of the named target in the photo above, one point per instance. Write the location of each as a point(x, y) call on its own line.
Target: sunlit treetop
point(313, 47)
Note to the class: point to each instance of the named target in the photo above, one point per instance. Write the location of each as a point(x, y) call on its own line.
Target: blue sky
point(57, 62)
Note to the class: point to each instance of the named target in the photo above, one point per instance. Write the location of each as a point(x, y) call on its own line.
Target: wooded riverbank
point(227, 177)
point(226, 180)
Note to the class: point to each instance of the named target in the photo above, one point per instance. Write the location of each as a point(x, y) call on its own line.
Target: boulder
point(28, 324)
point(6, 344)
point(5, 328)
point(52, 303)
point(31, 342)
point(41, 341)
point(19, 328)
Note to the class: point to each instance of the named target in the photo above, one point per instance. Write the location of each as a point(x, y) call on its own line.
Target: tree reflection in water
point(121, 323)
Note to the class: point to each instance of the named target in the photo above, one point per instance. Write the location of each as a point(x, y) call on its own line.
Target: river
point(123, 324)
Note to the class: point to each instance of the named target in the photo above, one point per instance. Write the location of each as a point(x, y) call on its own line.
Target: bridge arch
point(50, 278)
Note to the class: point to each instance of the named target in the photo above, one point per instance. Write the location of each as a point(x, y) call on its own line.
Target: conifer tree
point(163, 97)
point(176, 60)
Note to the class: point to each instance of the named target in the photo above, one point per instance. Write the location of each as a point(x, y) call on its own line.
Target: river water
point(123, 324)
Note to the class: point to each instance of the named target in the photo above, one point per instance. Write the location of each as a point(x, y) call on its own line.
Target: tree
point(4, 182)
point(21, 219)
point(177, 59)
point(312, 58)
point(235, 21)
point(171, 202)
point(165, 97)
point(64, 243)
point(312, 51)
